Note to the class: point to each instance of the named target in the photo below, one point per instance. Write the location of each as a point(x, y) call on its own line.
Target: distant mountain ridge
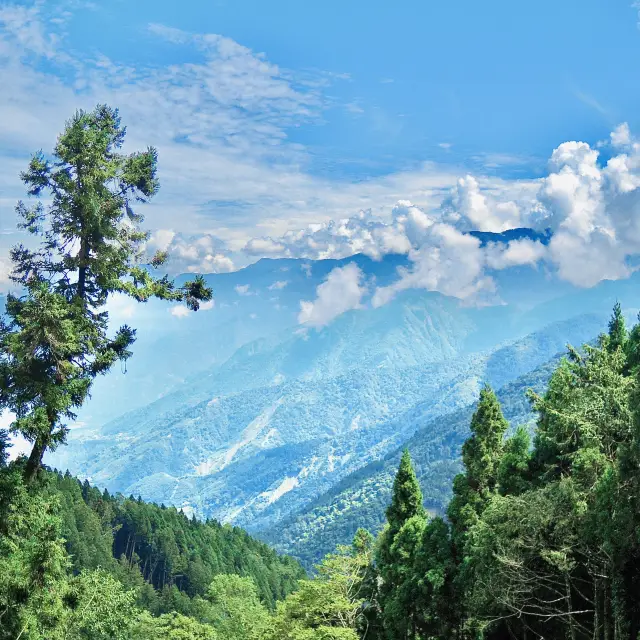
point(244, 415)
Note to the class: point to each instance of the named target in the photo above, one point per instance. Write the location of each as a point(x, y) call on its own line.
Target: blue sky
point(273, 116)
point(498, 78)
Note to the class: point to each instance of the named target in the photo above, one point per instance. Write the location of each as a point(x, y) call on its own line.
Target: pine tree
point(617, 329)
point(397, 549)
point(406, 500)
point(56, 337)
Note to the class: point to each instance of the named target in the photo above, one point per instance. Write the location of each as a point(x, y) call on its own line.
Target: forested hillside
point(539, 540)
point(361, 498)
point(176, 555)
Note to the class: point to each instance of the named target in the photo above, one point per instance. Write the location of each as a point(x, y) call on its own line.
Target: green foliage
point(169, 558)
point(236, 611)
point(396, 554)
point(513, 470)
point(55, 337)
point(406, 500)
point(617, 330)
point(100, 609)
point(332, 605)
point(170, 626)
point(33, 563)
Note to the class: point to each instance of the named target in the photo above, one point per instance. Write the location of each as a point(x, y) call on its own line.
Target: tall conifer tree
point(617, 329)
point(406, 500)
point(55, 339)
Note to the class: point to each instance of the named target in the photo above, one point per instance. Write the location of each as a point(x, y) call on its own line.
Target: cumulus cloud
point(593, 211)
point(515, 253)
point(591, 207)
point(180, 311)
point(621, 135)
point(450, 262)
point(479, 212)
point(226, 113)
point(202, 253)
point(340, 292)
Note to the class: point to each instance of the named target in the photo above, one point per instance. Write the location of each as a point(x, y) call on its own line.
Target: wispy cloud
point(222, 125)
point(590, 101)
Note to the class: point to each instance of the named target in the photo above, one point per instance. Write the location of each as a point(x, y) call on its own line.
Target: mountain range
point(242, 414)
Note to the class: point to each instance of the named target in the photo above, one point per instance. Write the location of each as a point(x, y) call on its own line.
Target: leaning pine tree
point(55, 337)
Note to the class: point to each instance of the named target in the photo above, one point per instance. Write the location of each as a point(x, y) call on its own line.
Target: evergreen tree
point(406, 500)
point(434, 570)
point(5, 445)
point(481, 455)
point(55, 338)
point(513, 470)
point(617, 329)
point(396, 553)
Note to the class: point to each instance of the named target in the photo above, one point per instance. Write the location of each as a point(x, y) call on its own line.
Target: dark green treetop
point(406, 500)
point(617, 329)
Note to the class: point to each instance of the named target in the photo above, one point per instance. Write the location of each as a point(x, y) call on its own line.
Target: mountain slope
point(273, 428)
point(360, 499)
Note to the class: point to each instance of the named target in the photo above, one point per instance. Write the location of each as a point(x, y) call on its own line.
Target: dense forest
point(541, 538)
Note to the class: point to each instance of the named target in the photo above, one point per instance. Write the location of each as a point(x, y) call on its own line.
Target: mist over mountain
point(244, 413)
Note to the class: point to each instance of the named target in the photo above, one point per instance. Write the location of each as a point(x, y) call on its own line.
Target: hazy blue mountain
point(361, 498)
point(242, 414)
point(283, 420)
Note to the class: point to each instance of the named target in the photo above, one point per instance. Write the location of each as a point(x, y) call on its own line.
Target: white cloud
point(208, 305)
point(478, 211)
point(220, 123)
point(264, 247)
point(279, 284)
point(191, 254)
point(161, 239)
point(24, 29)
point(588, 244)
point(243, 289)
point(515, 253)
point(621, 135)
point(450, 262)
point(340, 292)
point(180, 311)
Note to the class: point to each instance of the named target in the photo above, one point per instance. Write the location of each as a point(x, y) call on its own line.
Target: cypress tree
point(617, 329)
point(406, 501)
point(397, 549)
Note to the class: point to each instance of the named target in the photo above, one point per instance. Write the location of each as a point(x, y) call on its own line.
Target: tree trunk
point(606, 611)
point(35, 460)
point(572, 629)
point(596, 609)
